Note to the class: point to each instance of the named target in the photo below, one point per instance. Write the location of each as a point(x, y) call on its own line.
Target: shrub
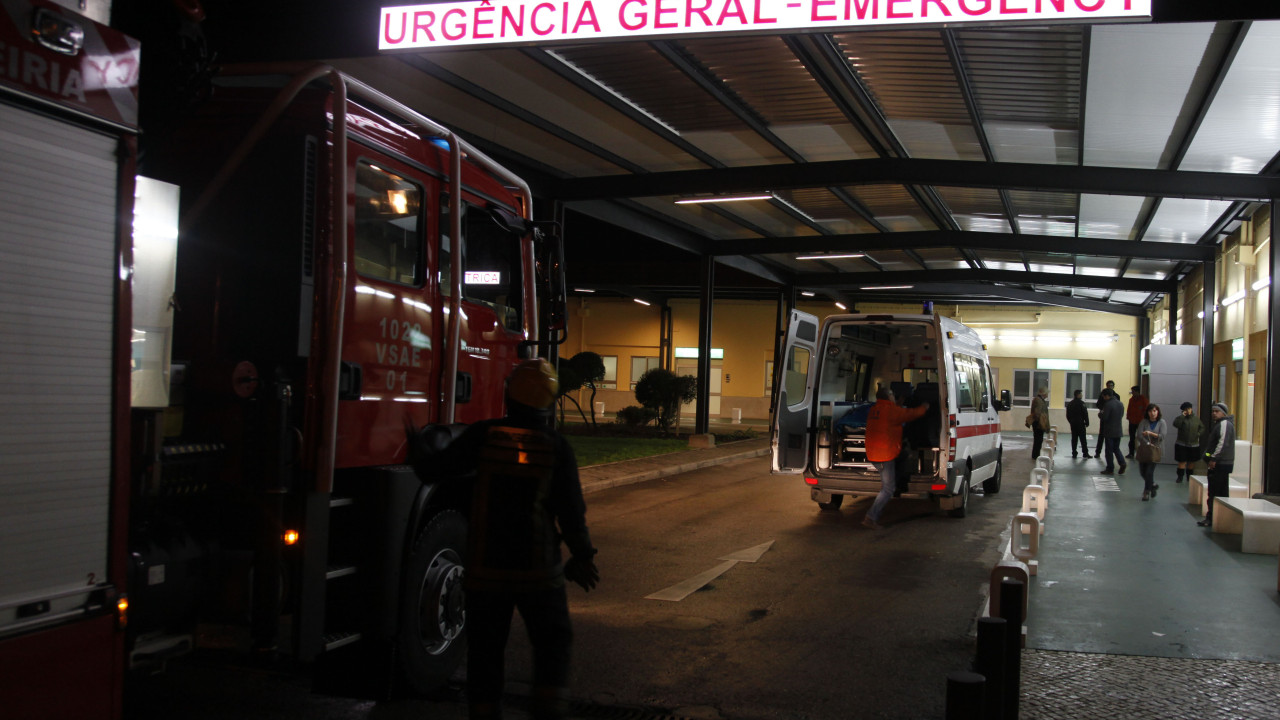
point(663, 392)
point(636, 416)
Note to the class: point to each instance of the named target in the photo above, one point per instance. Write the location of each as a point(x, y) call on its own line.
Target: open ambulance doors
point(793, 395)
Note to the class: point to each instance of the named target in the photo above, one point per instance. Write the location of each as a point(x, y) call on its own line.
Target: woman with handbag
point(1150, 438)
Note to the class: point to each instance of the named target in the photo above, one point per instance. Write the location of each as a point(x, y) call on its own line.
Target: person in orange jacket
point(884, 444)
point(1135, 412)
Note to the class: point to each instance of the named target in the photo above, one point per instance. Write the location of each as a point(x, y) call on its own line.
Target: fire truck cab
point(212, 345)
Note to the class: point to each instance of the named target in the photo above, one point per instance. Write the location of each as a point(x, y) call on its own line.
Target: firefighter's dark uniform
point(525, 483)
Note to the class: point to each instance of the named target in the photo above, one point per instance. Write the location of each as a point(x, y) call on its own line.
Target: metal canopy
point(1085, 166)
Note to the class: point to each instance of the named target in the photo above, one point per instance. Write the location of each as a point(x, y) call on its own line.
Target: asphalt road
point(818, 617)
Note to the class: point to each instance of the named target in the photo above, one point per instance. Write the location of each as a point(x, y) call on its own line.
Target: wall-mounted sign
point(516, 22)
point(482, 277)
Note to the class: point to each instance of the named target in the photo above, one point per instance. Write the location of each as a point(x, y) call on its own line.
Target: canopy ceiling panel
point(1045, 213)
point(1128, 123)
point(1241, 131)
point(911, 78)
point(1185, 221)
point(1110, 217)
point(976, 209)
point(543, 93)
point(893, 206)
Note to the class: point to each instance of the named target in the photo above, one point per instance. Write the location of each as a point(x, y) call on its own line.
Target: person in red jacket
point(1135, 412)
point(884, 444)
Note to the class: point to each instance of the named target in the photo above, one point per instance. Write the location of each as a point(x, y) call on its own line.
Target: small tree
point(590, 367)
point(663, 392)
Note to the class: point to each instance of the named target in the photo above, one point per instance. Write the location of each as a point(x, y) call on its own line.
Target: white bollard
point(1024, 541)
point(1044, 461)
point(1040, 476)
point(1035, 500)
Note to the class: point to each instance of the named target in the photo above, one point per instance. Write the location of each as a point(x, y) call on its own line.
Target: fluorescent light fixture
point(583, 290)
point(642, 302)
point(1233, 298)
point(843, 256)
point(723, 199)
point(887, 287)
point(806, 293)
point(841, 306)
point(1261, 283)
point(1200, 314)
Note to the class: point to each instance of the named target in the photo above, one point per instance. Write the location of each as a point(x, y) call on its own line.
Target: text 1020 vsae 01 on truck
point(208, 371)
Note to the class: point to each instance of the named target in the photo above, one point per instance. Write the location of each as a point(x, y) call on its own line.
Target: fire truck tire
point(962, 509)
point(432, 616)
point(836, 502)
point(991, 485)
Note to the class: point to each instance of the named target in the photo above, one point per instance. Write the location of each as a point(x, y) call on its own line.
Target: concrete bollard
point(1040, 476)
point(990, 664)
point(1026, 526)
point(1036, 500)
point(965, 696)
point(1013, 593)
point(1044, 461)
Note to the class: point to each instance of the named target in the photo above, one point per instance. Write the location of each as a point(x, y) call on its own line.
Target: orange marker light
point(290, 537)
point(122, 612)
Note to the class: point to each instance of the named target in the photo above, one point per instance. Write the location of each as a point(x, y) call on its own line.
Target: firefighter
point(524, 480)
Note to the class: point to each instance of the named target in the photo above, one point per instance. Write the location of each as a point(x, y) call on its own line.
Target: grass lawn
point(596, 450)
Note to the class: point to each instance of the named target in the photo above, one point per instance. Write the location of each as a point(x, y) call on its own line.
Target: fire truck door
point(394, 315)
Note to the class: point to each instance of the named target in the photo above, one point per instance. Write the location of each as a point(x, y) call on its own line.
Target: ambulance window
point(971, 383)
point(388, 236)
point(491, 266)
point(797, 375)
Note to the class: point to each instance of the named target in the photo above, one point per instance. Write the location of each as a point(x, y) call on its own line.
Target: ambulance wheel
point(963, 508)
point(836, 501)
point(991, 485)
point(432, 615)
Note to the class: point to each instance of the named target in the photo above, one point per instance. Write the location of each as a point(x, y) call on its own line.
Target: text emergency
point(489, 22)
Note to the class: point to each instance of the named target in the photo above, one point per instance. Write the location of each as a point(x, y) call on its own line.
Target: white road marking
point(685, 588)
point(1103, 483)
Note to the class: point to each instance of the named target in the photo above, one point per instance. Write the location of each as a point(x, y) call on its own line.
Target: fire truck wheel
point(836, 501)
point(991, 485)
point(962, 509)
point(432, 617)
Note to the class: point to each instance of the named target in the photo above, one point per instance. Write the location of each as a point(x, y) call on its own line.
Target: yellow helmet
point(533, 384)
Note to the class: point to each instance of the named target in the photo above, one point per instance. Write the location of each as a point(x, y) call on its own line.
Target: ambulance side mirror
point(1006, 401)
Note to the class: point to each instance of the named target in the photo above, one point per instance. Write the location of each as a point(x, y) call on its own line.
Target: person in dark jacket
point(1220, 454)
point(1111, 428)
point(1186, 447)
point(1040, 413)
point(1078, 419)
point(524, 483)
point(1111, 385)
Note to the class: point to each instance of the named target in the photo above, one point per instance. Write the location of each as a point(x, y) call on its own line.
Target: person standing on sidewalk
point(1078, 419)
point(1040, 420)
point(1151, 434)
point(1186, 448)
point(1111, 429)
point(1220, 453)
point(1135, 413)
point(1111, 386)
point(884, 445)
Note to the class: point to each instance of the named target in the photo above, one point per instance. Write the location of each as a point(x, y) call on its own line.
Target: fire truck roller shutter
point(58, 269)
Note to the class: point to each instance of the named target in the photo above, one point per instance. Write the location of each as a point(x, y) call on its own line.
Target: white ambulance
point(831, 371)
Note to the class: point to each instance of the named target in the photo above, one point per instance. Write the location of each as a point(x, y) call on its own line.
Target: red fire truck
point(206, 373)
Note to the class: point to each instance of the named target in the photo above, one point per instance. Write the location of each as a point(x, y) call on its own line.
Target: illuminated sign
point(513, 22)
point(482, 277)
